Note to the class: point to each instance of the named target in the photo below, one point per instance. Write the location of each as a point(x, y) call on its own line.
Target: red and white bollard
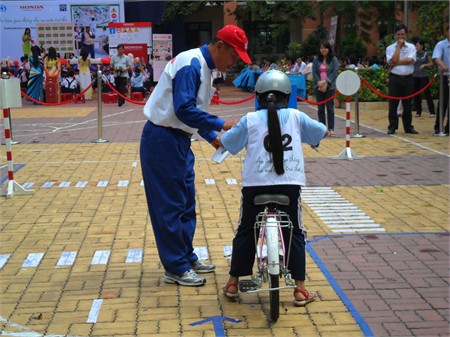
point(10, 98)
point(347, 153)
point(11, 187)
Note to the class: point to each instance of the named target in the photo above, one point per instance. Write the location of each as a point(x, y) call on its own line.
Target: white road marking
point(340, 215)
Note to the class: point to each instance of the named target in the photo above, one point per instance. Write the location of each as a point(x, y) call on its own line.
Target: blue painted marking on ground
point(16, 168)
point(217, 323)
point(356, 315)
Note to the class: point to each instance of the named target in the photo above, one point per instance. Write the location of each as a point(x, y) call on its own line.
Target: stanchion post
point(357, 134)
point(10, 97)
point(441, 105)
point(100, 109)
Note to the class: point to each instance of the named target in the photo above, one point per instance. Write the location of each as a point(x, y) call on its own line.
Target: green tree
point(431, 19)
point(179, 9)
point(277, 14)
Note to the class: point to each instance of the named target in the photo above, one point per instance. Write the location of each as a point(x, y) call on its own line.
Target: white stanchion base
point(100, 140)
point(347, 153)
point(358, 135)
point(12, 187)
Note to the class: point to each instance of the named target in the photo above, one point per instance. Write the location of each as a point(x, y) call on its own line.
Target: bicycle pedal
point(247, 285)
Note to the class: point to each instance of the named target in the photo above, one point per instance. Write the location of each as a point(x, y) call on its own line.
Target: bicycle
point(271, 252)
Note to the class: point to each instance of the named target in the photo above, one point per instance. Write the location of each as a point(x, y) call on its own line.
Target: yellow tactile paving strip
point(58, 111)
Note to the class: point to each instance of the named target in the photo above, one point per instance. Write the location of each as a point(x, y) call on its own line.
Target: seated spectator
point(69, 83)
point(137, 82)
point(107, 77)
point(350, 62)
point(373, 63)
point(298, 66)
point(307, 71)
point(147, 72)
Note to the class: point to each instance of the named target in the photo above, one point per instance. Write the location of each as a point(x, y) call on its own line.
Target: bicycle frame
point(268, 231)
point(270, 224)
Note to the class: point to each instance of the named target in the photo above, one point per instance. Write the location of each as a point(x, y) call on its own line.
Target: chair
point(82, 99)
point(110, 97)
point(215, 98)
point(66, 96)
point(137, 96)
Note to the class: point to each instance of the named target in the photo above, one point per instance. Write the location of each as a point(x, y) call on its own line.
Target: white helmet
point(273, 80)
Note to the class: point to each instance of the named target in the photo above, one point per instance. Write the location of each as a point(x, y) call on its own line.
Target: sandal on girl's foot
point(332, 133)
point(229, 294)
point(309, 297)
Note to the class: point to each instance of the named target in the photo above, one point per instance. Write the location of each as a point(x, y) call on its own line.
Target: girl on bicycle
point(274, 163)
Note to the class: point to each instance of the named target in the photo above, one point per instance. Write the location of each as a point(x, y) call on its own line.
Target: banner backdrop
point(162, 53)
point(16, 16)
point(135, 36)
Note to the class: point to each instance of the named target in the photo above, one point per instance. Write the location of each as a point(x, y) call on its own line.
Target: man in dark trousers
point(400, 57)
point(175, 110)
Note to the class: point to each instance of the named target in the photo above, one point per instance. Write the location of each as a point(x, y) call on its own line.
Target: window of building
point(264, 41)
point(197, 33)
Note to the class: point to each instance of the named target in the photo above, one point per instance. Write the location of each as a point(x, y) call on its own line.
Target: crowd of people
point(321, 70)
point(44, 74)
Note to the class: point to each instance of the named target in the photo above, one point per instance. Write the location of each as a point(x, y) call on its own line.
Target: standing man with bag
point(175, 110)
point(121, 64)
point(400, 57)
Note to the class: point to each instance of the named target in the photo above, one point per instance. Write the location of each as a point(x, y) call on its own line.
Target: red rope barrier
point(363, 80)
point(321, 102)
point(124, 97)
point(60, 103)
point(217, 101)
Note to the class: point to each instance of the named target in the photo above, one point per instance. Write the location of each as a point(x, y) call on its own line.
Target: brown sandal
point(309, 297)
point(227, 293)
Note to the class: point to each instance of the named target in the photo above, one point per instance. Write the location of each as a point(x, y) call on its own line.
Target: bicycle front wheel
point(274, 281)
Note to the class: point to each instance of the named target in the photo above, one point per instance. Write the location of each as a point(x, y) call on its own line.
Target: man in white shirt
point(441, 56)
point(400, 57)
point(298, 66)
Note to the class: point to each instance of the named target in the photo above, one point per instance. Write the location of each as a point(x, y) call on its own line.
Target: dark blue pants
point(167, 165)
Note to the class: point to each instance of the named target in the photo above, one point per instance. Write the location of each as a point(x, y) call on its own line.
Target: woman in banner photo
point(27, 42)
point(36, 78)
point(52, 67)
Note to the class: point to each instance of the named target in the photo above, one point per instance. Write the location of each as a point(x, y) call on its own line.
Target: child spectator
point(69, 83)
point(137, 81)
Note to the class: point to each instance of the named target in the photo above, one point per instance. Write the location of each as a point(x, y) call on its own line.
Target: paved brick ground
point(389, 283)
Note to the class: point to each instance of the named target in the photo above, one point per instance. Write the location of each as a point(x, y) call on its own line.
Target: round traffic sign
point(348, 82)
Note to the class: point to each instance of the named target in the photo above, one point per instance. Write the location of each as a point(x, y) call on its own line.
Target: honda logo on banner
point(137, 49)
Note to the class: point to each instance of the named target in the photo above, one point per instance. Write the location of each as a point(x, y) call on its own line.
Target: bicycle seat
point(264, 199)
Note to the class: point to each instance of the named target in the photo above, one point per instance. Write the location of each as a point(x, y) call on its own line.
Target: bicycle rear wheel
point(274, 297)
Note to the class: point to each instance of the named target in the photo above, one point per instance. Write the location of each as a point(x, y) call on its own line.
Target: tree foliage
point(431, 19)
point(179, 9)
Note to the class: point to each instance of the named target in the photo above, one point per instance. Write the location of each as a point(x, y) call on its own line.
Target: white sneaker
point(188, 278)
point(201, 267)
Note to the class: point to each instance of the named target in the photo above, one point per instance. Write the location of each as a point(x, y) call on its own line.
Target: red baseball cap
point(235, 37)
